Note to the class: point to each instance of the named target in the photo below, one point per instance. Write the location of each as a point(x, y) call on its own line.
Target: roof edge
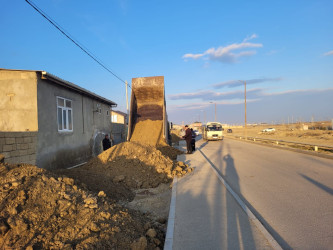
point(67, 84)
point(70, 85)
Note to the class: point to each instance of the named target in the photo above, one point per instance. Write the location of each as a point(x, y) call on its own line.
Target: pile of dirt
point(125, 167)
point(170, 152)
point(96, 180)
point(39, 209)
point(175, 137)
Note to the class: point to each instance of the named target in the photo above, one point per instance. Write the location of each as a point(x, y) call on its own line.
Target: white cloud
point(207, 95)
point(253, 36)
point(230, 53)
point(236, 83)
point(193, 56)
point(203, 105)
point(329, 53)
point(297, 91)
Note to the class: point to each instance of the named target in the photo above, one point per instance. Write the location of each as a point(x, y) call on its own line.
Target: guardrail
point(292, 144)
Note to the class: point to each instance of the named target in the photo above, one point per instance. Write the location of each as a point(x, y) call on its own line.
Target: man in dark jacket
point(193, 139)
point(188, 139)
point(106, 143)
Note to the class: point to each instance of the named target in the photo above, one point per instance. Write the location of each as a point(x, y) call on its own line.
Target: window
point(214, 128)
point(107, 112)
point(65, 114)
point(114, 118)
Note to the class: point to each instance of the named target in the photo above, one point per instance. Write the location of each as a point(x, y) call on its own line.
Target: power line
point(83, 48)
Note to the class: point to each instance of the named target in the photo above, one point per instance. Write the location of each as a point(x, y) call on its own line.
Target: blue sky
point(283, 49)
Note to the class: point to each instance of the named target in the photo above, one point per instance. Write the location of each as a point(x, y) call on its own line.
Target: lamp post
point(215, 109)
point(245, 106)
point(204, 116)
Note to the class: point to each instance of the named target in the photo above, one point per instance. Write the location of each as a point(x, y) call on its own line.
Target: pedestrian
point(106, 142)
point(188, 139)
point(193, 139)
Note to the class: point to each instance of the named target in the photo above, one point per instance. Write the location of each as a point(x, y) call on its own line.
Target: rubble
point(44, 210)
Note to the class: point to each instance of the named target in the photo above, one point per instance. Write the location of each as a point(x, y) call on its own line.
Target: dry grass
point(292, 132)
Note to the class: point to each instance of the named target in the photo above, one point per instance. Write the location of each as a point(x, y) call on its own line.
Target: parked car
point(196, 132)
point(268, 130)
point(229, 130)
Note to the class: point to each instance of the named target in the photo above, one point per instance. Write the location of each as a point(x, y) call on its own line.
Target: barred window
point(65, 115)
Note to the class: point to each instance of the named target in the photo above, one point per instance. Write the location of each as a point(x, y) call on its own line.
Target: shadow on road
point(236, 227)
point(318, 184)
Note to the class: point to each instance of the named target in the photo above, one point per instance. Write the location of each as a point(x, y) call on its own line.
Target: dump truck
point(148, 121)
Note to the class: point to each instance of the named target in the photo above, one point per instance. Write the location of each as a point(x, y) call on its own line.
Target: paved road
point(207, 216)
point(291, 193)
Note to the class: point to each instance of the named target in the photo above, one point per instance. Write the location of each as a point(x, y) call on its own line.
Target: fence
point(291, 144)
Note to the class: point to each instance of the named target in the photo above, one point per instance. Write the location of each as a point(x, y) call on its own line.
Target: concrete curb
point(168, 244)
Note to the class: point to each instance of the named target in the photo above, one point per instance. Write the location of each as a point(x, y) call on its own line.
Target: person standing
point(188, 139)
point(106, 142)
point(193, 139)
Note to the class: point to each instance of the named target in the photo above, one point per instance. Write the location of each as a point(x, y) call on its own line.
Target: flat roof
point(69, 85)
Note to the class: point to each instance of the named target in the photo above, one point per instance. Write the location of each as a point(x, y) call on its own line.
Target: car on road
point(268, 130)
point(212, 131)
point(229, 130)
point(196, 132)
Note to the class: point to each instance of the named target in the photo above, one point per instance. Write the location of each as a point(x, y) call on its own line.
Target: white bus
point(212, 131)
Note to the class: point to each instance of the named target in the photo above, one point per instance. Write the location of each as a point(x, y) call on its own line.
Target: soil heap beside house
point(39, 209)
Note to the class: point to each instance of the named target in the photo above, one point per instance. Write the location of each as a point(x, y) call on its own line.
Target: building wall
point(19, 147)
point(64, 149)
point(118, 132)
point(18, 101)
point(119, 118)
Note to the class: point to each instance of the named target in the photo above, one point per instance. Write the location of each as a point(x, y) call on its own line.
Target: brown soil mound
point(148, 132)
point(96, 180)
point(135, 165)
point(40, 210)
point(175, 138)
point(128, 166)
point(170, 152)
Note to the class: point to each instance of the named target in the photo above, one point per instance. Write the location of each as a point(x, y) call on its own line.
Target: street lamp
point(204, 113)
point(215, 109)
point(245, 105)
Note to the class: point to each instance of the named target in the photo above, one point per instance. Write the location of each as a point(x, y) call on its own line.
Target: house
point(49, 122)
point(118, 126)
point(118, 117)
point(196, 126)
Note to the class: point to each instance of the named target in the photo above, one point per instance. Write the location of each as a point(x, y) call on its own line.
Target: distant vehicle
point(268, 130)
point(212, 131)
point(229, 130)
point(196, 132)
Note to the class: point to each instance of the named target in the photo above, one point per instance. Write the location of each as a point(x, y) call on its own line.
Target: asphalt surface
point(291, 194)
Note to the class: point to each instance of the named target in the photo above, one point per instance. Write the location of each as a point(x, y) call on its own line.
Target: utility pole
point(215, 111)
point(126, 98)
point(127, 118)
point(245, 110)
point(245, 127)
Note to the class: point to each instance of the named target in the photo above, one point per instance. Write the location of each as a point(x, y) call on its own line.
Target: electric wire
point(77, 43)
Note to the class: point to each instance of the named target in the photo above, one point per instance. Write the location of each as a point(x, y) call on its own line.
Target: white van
point(212, 131)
